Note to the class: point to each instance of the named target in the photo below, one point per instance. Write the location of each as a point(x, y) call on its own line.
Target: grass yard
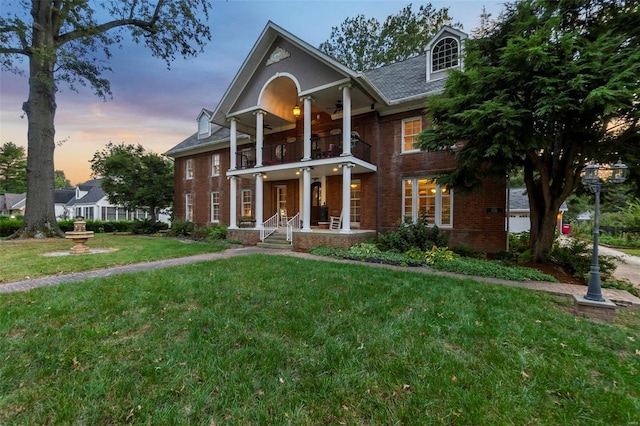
point(22, 259)
point(278, 340)
point(631, 251)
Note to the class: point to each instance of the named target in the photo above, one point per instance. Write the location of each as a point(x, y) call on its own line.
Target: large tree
point(68, 42)
point(134, 177)
point(13, 169)
point(363, 44)
point(60, 180)
point(552, 86)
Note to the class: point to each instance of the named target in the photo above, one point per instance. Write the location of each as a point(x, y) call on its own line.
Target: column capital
point(232, 177)
point(305, 169)
point(260, 111)
point(258, 175)
point(349, 165)
point(230, 119)
point(306, 98)
point(345, 86)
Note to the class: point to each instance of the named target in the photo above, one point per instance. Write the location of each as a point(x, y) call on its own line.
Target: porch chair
point(335, 222)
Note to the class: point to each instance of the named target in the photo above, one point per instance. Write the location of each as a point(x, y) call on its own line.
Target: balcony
point(293, 152)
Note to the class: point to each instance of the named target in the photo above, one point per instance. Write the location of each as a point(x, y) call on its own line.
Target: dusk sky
point(156, 107)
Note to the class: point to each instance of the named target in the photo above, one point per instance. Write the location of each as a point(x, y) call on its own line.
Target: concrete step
point(277, 240)
point(277, 246)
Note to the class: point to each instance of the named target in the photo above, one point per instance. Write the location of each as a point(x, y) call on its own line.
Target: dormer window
point(203, 126)
point(445, 54)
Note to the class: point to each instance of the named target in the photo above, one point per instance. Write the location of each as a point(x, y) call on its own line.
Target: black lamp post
point(594, 178)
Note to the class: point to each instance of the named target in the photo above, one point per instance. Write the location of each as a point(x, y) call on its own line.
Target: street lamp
point(594, 177)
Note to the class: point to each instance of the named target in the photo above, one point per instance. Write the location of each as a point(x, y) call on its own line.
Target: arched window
point(445, 54)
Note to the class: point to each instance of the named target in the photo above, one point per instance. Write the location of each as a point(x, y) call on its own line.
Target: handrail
point(269, 226)
point(293, 224)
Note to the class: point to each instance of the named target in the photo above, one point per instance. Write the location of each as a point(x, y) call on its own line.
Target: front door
point(316, 203)
point(281, 202)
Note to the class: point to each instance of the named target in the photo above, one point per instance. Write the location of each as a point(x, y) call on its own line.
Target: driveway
point(628, 267)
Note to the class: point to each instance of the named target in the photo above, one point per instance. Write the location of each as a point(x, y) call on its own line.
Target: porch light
point(296, 111)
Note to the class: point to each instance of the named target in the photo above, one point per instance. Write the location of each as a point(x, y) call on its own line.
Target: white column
point(346, 197)
point(306, 199)
point(307, 128)
point(346, 119)
point(259, 200)
point(233, 143)
point(259, 137)
point(233, 202)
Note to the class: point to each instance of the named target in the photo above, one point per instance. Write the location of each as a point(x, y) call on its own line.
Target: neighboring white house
point(519, 214)
point(91, 202)
point(11, 204)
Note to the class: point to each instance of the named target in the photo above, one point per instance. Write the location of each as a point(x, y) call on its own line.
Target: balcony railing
point(293, 152)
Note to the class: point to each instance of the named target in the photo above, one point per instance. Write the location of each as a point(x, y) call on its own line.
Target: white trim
point(218, 204)
point(415, 213)
point(274, 77)
point(215, 164)
point(402, 141)
point(189, 171)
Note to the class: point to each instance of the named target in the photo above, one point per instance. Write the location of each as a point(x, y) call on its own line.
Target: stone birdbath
point(79, 236)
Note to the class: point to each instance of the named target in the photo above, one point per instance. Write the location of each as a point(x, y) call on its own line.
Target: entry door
point(281, 201)
point(316, 200)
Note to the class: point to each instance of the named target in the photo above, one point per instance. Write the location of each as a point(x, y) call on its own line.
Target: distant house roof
point(219, 135)
point(94, 193)
point(519, 200)
point(63, 195)
point(12, 201)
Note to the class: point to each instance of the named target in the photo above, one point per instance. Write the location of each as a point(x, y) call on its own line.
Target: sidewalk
point(620, 297)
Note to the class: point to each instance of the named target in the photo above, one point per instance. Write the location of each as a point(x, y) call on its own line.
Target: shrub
point(181, 228)
point(577, 258)
point(418, 235)
point(147, 226)
point(8, 226)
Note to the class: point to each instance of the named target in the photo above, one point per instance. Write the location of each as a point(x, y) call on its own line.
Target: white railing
point(269, 226)
point(293, 224)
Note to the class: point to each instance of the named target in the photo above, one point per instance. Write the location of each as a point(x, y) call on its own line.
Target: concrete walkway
point(620, 297)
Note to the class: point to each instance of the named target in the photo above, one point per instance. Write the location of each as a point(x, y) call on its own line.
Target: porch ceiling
point(325, 101)
point(320, 167)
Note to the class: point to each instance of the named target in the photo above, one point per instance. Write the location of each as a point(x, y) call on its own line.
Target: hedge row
point(9, 226)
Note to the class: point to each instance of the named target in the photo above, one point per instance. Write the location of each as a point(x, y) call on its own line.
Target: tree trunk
point(543, 233)
point(40, 219)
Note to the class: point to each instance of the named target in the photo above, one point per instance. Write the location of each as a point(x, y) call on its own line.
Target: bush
point(576, 257)
point(8, 226)
point(434, 255)
point(418, 235)
point(488, 268)
point(181, 228)
point(147, 226)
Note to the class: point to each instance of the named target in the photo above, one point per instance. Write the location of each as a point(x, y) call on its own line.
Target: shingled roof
point(405, 80)
point(93, 195)
point(218, 135)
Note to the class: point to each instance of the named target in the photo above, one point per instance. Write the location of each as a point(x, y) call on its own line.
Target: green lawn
point(631, 251)
point(279, 340)
point(22, 259)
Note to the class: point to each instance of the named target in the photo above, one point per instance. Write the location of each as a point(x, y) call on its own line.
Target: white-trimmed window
point(215, 207)
point(203, 126)
point(188, 207)
point(188, 169)
point(356, 205)
point(424, 198)
point(215, 165)
point(411, 127)
point(445, 54)
point(246, 202)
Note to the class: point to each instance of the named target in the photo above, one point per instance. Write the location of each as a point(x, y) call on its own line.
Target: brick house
point(298, 138)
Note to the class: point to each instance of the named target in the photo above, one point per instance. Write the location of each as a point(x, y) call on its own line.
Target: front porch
point(306, 240)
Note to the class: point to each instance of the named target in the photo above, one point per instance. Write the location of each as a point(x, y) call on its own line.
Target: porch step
point(277, 240)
